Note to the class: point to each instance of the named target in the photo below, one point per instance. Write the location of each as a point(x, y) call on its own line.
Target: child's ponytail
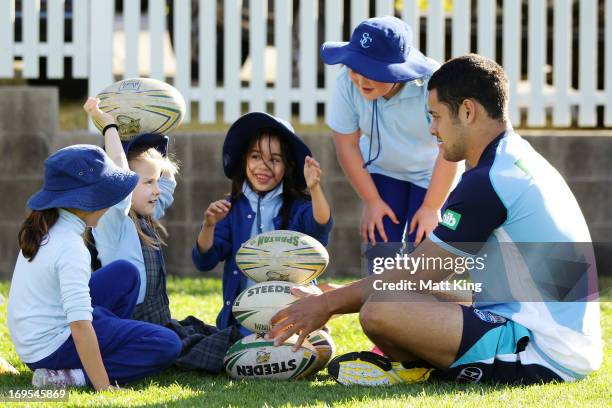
point(34, 230)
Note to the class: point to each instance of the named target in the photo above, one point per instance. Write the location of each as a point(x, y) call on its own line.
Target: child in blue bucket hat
point(276, 184)
point(69, 326)
point(379, 117)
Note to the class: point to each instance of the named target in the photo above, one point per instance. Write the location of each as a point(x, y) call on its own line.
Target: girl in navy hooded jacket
point(275, 185)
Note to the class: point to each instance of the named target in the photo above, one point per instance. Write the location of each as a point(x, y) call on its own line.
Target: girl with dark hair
point(69, 326)
point(275, 185)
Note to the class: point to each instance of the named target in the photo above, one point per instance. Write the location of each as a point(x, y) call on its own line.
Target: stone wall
point(28, 123)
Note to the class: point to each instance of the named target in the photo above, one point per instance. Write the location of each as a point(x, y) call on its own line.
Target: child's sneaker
point(367, 368)
point(44, 378)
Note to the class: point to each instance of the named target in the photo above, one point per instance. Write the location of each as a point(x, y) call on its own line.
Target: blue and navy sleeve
point(308, 225)
point(473, 211)
point(220, 250)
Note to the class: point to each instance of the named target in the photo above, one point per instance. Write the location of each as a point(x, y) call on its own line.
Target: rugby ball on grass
point(282, 256)
point(254, 307)
point(142, 105)
point(325, 347)
point(255, 357)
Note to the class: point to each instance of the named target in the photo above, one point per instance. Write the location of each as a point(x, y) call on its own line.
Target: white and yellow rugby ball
point(254, 307)
point(282, 256)
point(325, 347)
point(142, 105)
point(254, 357)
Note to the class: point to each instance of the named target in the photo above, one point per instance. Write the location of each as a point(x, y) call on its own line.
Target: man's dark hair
point(475, 77)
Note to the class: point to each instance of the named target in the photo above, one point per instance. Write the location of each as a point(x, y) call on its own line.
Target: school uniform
point(397, 147)
point(396, 144)
point(116, 237)
point(56, 287)
point(240, 225)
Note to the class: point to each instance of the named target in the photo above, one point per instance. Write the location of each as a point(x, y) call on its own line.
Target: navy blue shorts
point(130, 349)
point(495, 349)
point(405, 199)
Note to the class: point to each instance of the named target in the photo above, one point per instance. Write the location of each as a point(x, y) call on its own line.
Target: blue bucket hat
point(243, 128)
point(156, 140)
point(82, 177)
point(380, 49)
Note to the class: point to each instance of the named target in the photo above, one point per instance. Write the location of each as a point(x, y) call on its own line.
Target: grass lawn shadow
point(202, 298)
point(320, 390)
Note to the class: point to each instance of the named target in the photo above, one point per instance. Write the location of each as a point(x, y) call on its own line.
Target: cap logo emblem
point(366, 40)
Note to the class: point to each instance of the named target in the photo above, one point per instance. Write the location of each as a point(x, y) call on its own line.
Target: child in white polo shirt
point(72, 327)
point(379, 118)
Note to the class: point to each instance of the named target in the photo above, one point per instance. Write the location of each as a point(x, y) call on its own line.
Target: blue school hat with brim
point(380, 49)
point(82, 177)
point(238, 135)
point(155, 140)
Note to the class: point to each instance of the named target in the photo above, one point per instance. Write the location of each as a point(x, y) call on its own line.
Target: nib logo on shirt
point(450, 219)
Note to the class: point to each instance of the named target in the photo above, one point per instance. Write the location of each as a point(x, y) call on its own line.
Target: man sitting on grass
point(536, 317)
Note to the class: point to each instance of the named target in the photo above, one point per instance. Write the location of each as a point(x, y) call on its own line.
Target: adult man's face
point(447, 128)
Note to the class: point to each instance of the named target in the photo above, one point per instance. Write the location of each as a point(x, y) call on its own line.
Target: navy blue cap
point(155, 140)
point(243, 128)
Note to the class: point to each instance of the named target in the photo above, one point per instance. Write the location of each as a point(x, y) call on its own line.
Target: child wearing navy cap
point(70, 326)
point(131, 230)
point(380, 122)
point(275, 185)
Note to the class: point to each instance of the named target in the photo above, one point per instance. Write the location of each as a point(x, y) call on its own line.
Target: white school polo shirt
point(408, 151)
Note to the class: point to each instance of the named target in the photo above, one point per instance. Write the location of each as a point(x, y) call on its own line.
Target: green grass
point(202, 297)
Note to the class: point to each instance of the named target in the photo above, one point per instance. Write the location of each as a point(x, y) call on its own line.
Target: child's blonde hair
point(169, 165)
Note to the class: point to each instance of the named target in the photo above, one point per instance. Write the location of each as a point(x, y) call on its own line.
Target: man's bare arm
point(312, 312)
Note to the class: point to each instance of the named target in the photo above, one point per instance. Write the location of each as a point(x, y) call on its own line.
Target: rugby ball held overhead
point(255, 357)
point(142, 105)
point(254, 307)
point(282, 256)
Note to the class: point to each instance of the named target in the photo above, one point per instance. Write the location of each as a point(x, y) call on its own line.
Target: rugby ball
point(142, 105)
point(282, 256)
point(255, 357)
point(325, 347)
point(254, 307)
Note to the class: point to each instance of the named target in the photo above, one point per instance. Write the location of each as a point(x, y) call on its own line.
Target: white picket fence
point(544, 92)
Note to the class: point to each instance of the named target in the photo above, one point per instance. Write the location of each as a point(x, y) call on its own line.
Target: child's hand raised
point(91, 107)
point(215, 212)
point(312, 172)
